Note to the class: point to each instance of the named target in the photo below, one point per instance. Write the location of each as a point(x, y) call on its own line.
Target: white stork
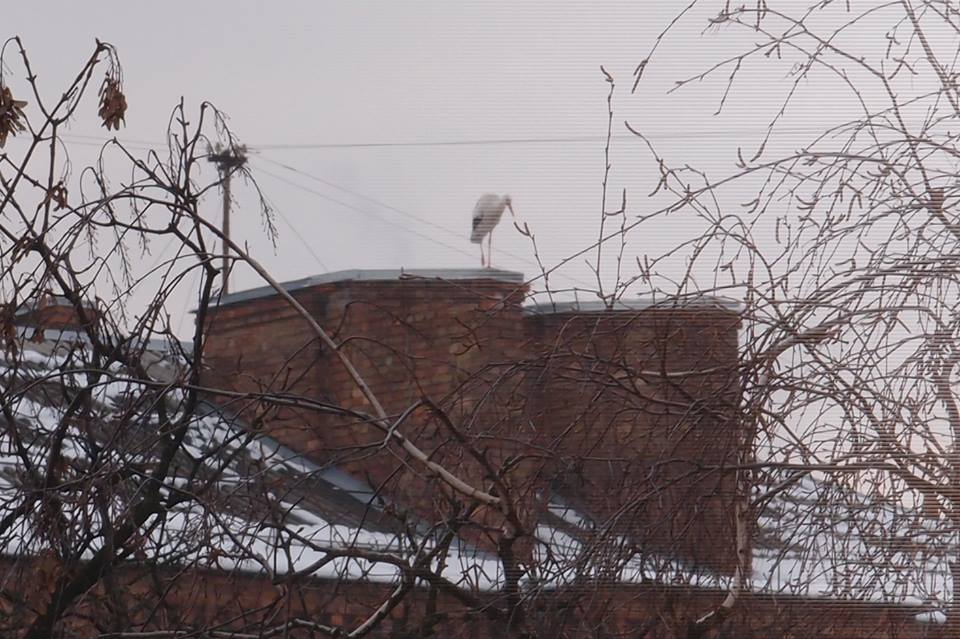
point(486, 215)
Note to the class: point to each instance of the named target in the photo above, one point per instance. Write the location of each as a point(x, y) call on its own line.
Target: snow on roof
point(635, 304)
point(266, 508)
point(378, 275)
point(814, 539)
point(571, 547)
point(820, 538)
point(256, 505)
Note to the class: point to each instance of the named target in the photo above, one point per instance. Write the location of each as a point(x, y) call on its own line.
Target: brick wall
point(152, 599)
point(455, 344)
point(575, 400)
point(264, 346)
point(639, 406)
point(55, 313)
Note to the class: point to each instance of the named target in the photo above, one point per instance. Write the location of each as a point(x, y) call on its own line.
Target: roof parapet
point(377, 275)
point(636, 304)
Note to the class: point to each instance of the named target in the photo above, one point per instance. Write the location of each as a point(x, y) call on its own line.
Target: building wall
point(455, 344)
point(575, 401)
point(631, 412)
point(264, 347)
point(640, 409)
point(452, 344)
point(152, 599)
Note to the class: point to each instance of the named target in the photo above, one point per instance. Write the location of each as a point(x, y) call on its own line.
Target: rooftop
point(268, 508)
point(540, 307)
point(641, 303)
point(379, 275)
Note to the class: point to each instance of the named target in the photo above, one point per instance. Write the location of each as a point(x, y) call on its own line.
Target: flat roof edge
point(635, 304)
point(376, 275)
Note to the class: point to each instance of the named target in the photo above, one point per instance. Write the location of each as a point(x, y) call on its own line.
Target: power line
point(377, 202)
point(570, 139)
point(299, 236)
point(101, 139)
point(677, 135)
point(357, 194)
point(363, 211)
point(104, 141)
point(334, 200)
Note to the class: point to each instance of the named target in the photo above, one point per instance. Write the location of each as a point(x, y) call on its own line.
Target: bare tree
point(843, 250)
point(144, 496)
point(629, 469)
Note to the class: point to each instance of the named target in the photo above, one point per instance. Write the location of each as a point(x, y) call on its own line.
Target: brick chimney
point(636, 403)
point(639, 404)
point(54, 312)
point(444, 335)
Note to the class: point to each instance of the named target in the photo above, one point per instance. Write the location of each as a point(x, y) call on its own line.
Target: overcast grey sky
point(302, 73)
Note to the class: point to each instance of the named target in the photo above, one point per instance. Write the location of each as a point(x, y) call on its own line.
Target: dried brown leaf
point(11, 115)
point(113, 104)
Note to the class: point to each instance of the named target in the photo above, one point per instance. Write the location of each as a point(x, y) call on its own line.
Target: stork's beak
point(512, 214)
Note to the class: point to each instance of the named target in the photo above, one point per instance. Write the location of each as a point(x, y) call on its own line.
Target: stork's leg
point(482, 262)
point(490, 249)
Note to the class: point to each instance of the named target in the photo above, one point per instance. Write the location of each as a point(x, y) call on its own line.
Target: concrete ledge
point(635, 304)
point(378, 275)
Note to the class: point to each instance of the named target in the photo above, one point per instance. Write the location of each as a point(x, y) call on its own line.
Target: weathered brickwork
point(150, 599)
point(629, 415)
point(452, 345)
point(580, 398)
point(641, 405)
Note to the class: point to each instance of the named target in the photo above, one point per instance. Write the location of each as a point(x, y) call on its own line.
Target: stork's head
point(509, 204)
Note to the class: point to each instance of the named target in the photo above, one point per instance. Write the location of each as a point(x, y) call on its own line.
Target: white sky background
point(358, 73)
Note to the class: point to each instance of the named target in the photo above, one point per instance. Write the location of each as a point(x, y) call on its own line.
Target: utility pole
point(227, 162)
